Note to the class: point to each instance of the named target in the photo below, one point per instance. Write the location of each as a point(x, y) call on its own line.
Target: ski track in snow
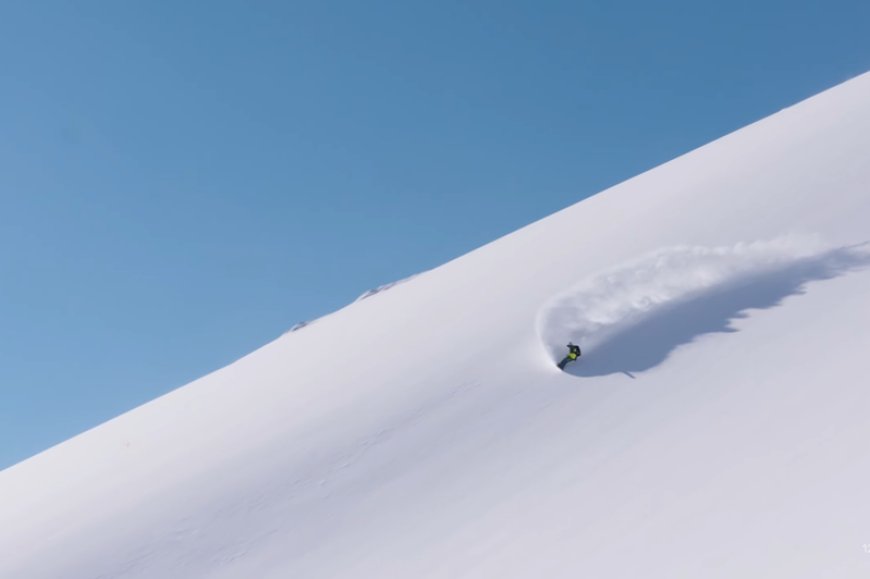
point(652, 289)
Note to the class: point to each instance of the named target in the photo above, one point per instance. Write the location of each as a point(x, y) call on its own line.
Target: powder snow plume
point(619, 298)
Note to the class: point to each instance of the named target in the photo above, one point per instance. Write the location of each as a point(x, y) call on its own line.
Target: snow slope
point(717, 425)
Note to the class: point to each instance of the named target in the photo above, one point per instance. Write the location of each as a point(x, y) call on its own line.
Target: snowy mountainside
point(716, 425)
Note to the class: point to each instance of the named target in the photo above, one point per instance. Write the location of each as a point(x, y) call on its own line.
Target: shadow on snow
point(649, 341)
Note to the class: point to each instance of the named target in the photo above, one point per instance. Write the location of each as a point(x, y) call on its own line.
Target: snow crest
point(615, 300)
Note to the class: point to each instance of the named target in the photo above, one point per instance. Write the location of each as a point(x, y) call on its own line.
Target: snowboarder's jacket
point(573, 352)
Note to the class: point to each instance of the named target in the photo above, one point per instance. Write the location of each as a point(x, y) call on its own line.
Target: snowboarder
point(573, 354)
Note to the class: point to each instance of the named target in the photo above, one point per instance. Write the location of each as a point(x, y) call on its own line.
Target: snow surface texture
point(365, 295)
point(425, 432)
point(631, 317)
point(382, 288)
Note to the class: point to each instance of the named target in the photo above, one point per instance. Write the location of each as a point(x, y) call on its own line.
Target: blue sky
point(182, 181)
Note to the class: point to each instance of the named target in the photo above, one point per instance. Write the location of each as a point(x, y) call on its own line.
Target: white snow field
point(717, 426)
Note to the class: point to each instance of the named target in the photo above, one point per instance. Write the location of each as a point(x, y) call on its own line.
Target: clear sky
point(182, 181)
